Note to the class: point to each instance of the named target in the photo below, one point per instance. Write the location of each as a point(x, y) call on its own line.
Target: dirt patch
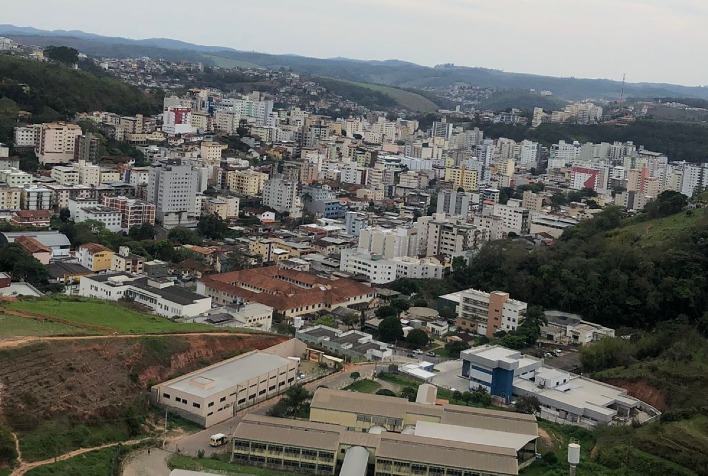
point(92, 380)
point(643, 391)
point(546, 438)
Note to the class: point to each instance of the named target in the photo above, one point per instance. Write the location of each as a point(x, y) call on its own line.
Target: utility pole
point(164, 440)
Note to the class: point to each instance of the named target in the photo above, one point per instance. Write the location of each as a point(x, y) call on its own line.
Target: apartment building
point(95, 257)
point(225, 207)
point(282, 196)
point(246, 182)
point(132, 212)
point(10, 198)
point(35, 198)
point(125, 261)
point(378, 270)
point(26, 137)
point(532, 201)
point(65, 175)
point(454, 203)
point(110, 217)
point(514, 216)
point(389, 243)
point(15, 177)
point(57, 142)
point(211, 151)
point(439, 234)
point(462, 177)
point(486, 313)
point(173, 188)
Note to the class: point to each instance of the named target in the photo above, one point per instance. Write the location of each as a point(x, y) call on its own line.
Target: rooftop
point(227, 374)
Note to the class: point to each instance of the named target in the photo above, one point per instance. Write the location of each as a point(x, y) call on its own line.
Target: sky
point(648, 40)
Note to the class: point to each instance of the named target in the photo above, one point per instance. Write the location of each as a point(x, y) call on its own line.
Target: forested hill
point(633, 272)
point(50, 92)
point(614, 270)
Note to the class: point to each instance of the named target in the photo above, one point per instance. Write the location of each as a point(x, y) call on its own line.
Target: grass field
point(407, 99)
point(646, 234)
point(106, 314)
point(222, 62)
point(95, 462)
point(364, 386)
point(13, 326)
point(224, 467)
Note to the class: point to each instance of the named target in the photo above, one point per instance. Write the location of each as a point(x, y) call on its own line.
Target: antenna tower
point(624, 76)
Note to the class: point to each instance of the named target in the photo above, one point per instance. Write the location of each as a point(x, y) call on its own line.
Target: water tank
point(573, 453)
point(408, 430)
point(377, 430)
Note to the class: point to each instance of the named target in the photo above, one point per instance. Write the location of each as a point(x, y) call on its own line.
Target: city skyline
point(597, 39)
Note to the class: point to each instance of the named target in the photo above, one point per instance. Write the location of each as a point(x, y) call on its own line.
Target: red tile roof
point(31, 245)
point(94, 248)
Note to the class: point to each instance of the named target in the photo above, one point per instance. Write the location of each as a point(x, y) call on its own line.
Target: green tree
point(386, 311)
point(528, 404)
point(326, 320)
point(455, 347)
point(146, 231)
point(667, 203)
point(64, 215)
point(184, 236)
point(212, 227)
point(390, 329)
point(410, 393)
point(354, 376)
point(417, 338)
point(297, 401)
point(62, 54)
point(400, 304)
point(386, 392)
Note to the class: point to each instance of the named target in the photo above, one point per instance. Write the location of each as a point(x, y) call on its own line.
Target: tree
point(212, 227)
point(400, 304)
point(410, 393)
point(390, 329)
point(62, 54)
point(386, 392)
point(350, 320)
point(296, 401)
point(455, 347)
point(417, 338)
point(146, 231)
point(64, 214)
point(354, 376)
point(528, 404)
point(667, 203)
point(386, 311)
point(184, 236)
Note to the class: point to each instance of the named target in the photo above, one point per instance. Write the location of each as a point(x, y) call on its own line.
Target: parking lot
point(449, 376)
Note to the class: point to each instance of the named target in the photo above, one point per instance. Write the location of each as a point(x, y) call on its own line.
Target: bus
point(217, 440)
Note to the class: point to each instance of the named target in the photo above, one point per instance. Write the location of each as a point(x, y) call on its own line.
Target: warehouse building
point(389, 436)
point(215, 393)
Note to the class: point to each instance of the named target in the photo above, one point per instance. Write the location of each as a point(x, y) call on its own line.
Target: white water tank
point(573, 454)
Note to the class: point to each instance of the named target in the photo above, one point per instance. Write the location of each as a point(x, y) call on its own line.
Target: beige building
point(226, 207)
point(65, 175)
point(532, 201)
point(15, 177)
point(57, 142)
point(10, 198)
point(246, 182)
point(462, 177)
point(487, 313)
point(211, 151)
point(392, 435)
point(215, 393)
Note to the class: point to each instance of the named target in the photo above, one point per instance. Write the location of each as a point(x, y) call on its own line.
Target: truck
point(218, 439)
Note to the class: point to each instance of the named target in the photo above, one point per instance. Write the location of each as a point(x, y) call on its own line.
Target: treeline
point(52, 92)
point(679, 141)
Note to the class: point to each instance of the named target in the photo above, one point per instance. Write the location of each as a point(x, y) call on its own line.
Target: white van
point(217, 440)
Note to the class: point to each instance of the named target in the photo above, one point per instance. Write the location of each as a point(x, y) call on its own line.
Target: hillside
point(376, 96)
point(392, 72)
point(520, 99)
point(50, 92)
point(62, 393)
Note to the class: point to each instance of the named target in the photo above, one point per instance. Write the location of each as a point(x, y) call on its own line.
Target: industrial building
point(359, 433)
point(215, 393)
point(564, 397)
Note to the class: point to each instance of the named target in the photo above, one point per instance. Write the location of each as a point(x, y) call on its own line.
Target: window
point(222, 399)
point(211, 404)
point(196, 405)
point(166, 395)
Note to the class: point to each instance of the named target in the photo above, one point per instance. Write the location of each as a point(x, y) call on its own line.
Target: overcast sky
point(649, 40)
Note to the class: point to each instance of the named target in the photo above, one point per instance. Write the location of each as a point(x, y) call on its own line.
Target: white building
point(177, 120)
point(110, 217)
point(173, 188)
point(15, 177)
point(379, 271)
point(27, 136)
point(282, 195)
point(389, 243)
point(515, 217)
point(160, 295)
point(454, 203)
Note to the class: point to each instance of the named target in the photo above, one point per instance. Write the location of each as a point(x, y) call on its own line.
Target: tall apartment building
point(133, 212)
point(532, 201)
point(487, 313)
point(462, 177)
point(86, 148)
point(10, 198)
point(35, 198)
point(354, 222)
point(173, 188)
point(15, 177)
point(516, 217)
point(695, 176)
point(246, 182)
point(282, 195)
point(27, 137)
point(389, 243)
point(454, 203)
point(211, 151)
point(439, 235)
point(57, 143)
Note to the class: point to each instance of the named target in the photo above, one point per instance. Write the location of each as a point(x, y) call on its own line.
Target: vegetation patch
point(105, 461)
point(221, 464)
point(363, 386)
point(15, 326)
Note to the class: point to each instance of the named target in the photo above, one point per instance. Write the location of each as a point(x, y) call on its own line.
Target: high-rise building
point(56, 143)
point(462, 177)
point(454, 203)
point(389, 243)
point(86, 148)
point(133, 212)
point(173, 188)
point(282, 196)
point(487, 313)
point(247, 182)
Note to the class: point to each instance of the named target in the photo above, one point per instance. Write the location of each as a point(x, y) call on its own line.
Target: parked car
point(418, 352)
point(410, 354)
point(431, 354)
